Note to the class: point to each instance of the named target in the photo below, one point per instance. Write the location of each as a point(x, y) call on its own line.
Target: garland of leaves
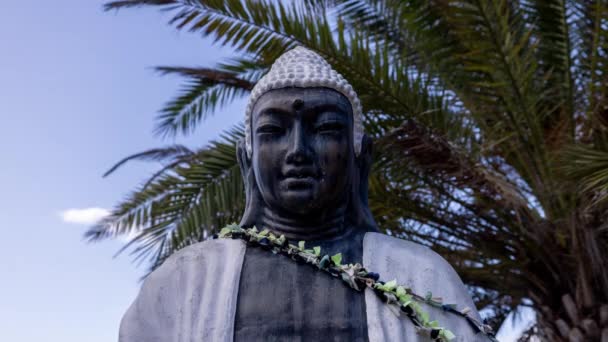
point(358, 278)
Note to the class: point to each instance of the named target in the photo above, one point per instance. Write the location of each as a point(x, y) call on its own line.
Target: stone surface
point(191, 297)
point(423, 270)
point(309, 305)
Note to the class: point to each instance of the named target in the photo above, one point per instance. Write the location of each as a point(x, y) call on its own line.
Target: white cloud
point(91, 216)
point(84, 215)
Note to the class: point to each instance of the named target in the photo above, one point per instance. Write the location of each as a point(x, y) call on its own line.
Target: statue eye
point(330, 127)
point(270, 129)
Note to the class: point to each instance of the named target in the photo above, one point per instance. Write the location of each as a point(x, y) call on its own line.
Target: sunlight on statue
point(305, 160)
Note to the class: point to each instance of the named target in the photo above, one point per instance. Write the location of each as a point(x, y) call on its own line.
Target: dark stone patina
point(304, 181)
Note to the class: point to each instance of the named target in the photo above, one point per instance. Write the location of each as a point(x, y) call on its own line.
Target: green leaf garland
point(358, 278)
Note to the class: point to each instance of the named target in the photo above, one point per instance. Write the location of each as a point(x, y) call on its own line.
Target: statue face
point(303, 153)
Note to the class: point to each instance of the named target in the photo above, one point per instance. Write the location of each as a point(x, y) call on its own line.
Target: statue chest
point(281, 300)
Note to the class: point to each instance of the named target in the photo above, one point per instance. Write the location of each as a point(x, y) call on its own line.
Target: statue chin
point(299, 196)
point(298, 202)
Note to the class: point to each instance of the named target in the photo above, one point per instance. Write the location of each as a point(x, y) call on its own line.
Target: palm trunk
point(572, 322)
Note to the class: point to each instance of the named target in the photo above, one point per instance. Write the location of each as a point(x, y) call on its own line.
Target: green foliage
point(359, 278)
point(194, 197)
point(205, 91)
point(490, 121)
point(337, 259)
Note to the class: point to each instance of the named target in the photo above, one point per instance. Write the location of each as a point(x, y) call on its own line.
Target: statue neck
point(320, 226)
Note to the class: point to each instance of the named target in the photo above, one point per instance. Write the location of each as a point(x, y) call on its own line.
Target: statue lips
point(300, 178)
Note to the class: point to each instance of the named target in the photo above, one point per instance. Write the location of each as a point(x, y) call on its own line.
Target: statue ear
point(252, 194)
point(242, 158)
point(362, 213)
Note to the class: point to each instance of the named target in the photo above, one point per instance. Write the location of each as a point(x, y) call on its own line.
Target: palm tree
point(490, 122)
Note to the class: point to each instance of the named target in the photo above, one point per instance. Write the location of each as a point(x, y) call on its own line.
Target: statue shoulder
point(198, 257)
point(182, 284)
point(403, 251)
point(198, 252)
point(416, 266)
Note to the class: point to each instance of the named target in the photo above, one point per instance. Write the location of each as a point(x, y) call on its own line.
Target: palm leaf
point(183, 205)
point(172, 153)
point(589, 166)
point(592, 61)
point(204, 91)
point(550, 20)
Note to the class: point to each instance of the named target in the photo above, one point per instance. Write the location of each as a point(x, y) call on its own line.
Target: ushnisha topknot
point(303, 68)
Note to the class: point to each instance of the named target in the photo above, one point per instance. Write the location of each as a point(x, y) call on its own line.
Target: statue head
point(304, 154)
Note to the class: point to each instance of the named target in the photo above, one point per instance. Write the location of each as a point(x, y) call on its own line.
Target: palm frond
point(185, 204)
point(136, 3)
point(589, 166)
point(381, 20)
point(205, 90)
point(215, 75)
point(264, 29)
point(550, 22)
point(172, 153)
point(592, 61)
point(431, 153)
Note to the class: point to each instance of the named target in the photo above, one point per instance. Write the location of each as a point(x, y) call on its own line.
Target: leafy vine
point(358, 278)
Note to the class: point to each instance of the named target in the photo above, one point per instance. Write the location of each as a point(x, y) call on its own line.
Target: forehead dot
point(298, 103)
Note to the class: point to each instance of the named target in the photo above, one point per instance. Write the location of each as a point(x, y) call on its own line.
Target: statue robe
point(193, 295)
point(281, 300)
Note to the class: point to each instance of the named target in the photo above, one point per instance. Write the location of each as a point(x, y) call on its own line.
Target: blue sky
point(77, 93)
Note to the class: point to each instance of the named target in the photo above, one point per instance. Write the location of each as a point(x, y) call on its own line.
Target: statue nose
point(299, 151)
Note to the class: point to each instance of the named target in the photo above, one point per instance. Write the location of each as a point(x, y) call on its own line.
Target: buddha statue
point(305, 161)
